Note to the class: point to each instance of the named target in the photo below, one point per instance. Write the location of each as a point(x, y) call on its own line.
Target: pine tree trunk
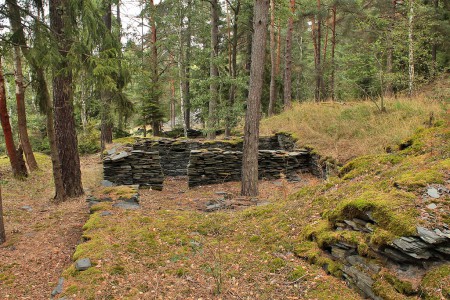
point(18, 172)
point(213, 71)
point(21, 113)
point(156, 123)
point(252, 115)
point(288, 59)
point(390, 51)
point(434, 47)
point(319, 64)
point(2, 224)
point(106, 126)
point(65, 134)
point(273, 66)
point(173, 113)
point(41, 87)
point(233, 68)
point(411, 48)
point(333, 48)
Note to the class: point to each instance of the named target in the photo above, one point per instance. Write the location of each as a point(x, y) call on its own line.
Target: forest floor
point(191, 260)
point(41, 235)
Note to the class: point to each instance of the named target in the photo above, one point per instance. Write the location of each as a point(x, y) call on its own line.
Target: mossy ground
point(262, 252)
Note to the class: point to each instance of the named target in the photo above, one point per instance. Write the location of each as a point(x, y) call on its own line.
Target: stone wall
point(217, 165)
point(135, 167)
point(147, 161)
point(175, 152)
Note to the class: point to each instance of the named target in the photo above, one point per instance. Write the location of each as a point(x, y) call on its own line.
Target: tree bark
point(273, 64)
point(411, 48)
point(156, 122)
point(21, 113)
point(434, 47)
point(41, 87)
point(333, 48)
point(390, 50)
point(106, 136)
point(252, 115)
point(2, 224)
point(288, 59)
point(233, 68)
point(213, 71)
point(18, 172)
point(173, 113)
point(65, 134)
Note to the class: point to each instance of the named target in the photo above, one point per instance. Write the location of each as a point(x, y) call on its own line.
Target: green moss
point(436, 283)
point(70, 290)
point(100, 207)
point(403, 287)
point(381, 237)
point(415, 179)
point(117, 270)
point(94, 221)
point(297, 273)
point(276, 264)
point(386, 291)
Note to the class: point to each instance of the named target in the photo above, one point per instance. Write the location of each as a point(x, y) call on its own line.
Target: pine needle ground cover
point(266, 252)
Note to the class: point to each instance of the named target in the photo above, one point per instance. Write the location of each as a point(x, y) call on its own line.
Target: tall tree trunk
point(411, 48)
point(434, 47)
point(319, 63)
point(173, 113)
point(288, 59)
point(213, 70)
point(2, 224)
point(21, 113)
point(156, 122)
point(187, 62)
point(83, 111)
point(333, 48)
point(65, 134)
point(233, 68)
point(252, 115)
point(41, 87)
point(390, 50)
point(13, 155)
point(273, 66)
point(106, 126)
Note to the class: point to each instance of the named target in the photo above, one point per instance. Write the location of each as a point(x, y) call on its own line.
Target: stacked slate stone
point(138, 167)
point(218, 166)
point(273, 164)
point(117, 168)
point(213, 166)
point(146, 169)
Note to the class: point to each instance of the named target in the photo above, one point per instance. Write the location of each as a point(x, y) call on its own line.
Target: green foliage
point(89, 140)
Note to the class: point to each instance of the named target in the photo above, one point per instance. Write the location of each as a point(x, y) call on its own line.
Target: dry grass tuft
point(347, 130)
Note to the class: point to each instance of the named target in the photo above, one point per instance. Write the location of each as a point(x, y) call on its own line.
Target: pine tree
point(253, 114)
point(65, 134)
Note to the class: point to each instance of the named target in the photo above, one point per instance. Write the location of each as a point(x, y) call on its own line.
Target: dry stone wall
point(217, 165)
point(147, 161)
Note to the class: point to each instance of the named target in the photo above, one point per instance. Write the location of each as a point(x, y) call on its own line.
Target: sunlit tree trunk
point(21, 113)
point(411, 48)
point(233, 66)
point(288, 59)
point(18, 170)
point(252, 115)
point(273, 58)
point(43, 95)
point(213, 71)
point(2, 224)
point(333, 48)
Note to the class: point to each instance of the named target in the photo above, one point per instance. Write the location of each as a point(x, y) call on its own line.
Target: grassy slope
point(174, 254)
point(349, 130)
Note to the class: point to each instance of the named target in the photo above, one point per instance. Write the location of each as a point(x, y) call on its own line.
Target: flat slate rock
point(107, 183)
point(106, 213)
point(27, 208)
point(59, 288)
point(83, 264)
point(127, 205)
point(433, 193)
